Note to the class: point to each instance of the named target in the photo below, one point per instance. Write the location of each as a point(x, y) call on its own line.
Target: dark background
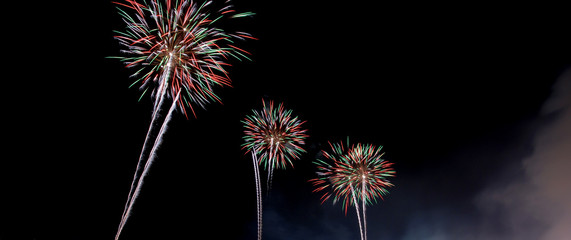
point(449, 91)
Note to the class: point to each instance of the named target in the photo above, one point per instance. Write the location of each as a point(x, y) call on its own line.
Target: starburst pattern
point(353, 169)
point(177, 46)
point(275, 135)
point(354, 173)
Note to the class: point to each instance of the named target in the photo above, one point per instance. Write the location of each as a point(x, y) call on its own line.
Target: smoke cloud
point(531, 199)
point(549, 167)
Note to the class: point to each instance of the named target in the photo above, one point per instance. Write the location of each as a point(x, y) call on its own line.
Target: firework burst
point(354, 173)
point(178, 47)
point(274, 138)
point(179, 52)
point(275, 135)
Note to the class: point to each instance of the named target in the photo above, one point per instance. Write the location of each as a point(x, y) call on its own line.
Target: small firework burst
point(354, 173)
point(274, 135)
point(351, 170)
point(177, 46)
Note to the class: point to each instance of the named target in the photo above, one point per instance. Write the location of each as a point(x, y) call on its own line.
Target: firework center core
point(274, 136)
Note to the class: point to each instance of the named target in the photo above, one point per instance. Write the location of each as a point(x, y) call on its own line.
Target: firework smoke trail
point(274, 138)
point(351, 169)
point(150, 160)
point(176, 49)
point(357, 210)
point(364, 208)
point(258, 194)
point(154, 117)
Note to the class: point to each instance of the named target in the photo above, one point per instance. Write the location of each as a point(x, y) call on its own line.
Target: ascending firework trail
point(178, 51)
point(258, 193)
point(273, 136)
point(354, 173)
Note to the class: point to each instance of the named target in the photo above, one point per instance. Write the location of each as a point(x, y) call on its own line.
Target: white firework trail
point(157, 107)
point(258, 194)
point(357, 209)
point(152, 155)
point(364, 210)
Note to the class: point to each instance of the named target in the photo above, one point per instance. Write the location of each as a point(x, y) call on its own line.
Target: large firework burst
point(274, 138)
point(354, 173)
point(179, 52)
point(178, 47)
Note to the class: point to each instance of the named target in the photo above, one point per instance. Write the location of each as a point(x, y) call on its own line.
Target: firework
point(353, 173)
point(274, 138)
point(275, 135)
point(179, 53)
point(177, 47)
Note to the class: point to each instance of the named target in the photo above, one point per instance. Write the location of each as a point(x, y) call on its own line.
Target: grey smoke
point(534, 204)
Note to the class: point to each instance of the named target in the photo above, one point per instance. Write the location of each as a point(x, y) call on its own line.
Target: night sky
point(471, 103)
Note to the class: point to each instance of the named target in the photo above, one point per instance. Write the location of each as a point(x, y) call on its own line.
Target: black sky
point(453, 93)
